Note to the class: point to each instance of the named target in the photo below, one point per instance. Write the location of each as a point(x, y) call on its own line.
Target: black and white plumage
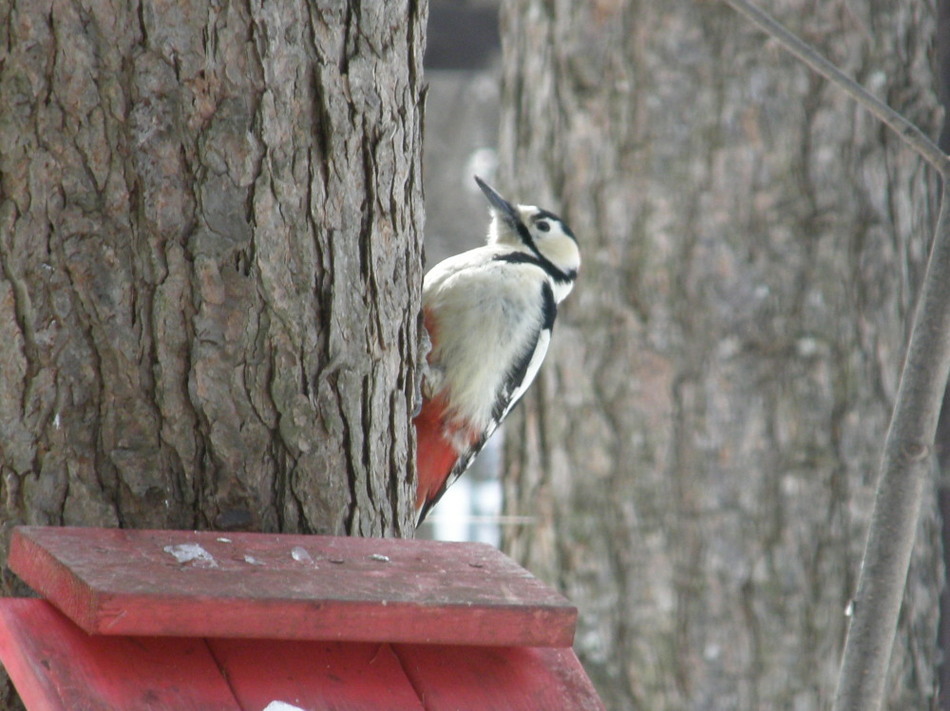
point(490, 313)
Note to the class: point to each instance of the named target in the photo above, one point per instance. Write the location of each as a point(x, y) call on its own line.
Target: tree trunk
point(210, 236)
point(701, 450)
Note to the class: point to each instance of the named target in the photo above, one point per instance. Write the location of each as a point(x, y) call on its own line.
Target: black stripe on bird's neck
point(550, 306)
point(545, 263)
point(538, 260)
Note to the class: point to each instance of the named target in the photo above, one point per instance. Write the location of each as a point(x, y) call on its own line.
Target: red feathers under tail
point(435, 454)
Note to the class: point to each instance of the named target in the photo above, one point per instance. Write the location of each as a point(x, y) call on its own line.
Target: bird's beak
point(505, 209)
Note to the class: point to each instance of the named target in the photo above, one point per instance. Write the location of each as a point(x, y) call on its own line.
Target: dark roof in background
point(461, 35)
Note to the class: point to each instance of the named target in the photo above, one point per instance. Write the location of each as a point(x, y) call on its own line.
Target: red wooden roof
point(58, 667)
point(201, 583)
point(187, 621)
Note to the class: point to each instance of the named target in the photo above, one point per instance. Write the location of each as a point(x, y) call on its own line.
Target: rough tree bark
point(210, 238)
point(710, 419)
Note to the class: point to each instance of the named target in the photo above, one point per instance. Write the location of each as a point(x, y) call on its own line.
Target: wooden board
point(316, 675)
point(498, 678)
point(55, 666)
point(206, 584)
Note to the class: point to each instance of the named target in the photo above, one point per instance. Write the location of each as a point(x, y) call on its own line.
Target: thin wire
point(905, 129)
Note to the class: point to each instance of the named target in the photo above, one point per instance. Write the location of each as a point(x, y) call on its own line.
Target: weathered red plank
point(55, 666)
point(498, 678)
point(58, 667)
point(205, 584)
point(343, 676)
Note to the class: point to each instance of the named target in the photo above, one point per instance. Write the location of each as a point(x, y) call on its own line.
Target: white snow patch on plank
point(281, 706)
point(192, 553)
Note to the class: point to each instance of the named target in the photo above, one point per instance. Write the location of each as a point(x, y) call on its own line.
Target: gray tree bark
point(210, 238)
point(701, 450)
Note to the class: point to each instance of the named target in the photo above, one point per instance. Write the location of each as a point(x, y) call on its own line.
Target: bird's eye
point(543, 225)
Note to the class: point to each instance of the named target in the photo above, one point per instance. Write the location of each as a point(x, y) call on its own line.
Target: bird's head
point(530, 229)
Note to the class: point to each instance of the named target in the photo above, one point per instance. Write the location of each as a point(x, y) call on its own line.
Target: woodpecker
point(489, 314)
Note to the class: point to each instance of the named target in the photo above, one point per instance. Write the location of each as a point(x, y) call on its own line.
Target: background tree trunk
point(711, 416)
point(210, 237)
